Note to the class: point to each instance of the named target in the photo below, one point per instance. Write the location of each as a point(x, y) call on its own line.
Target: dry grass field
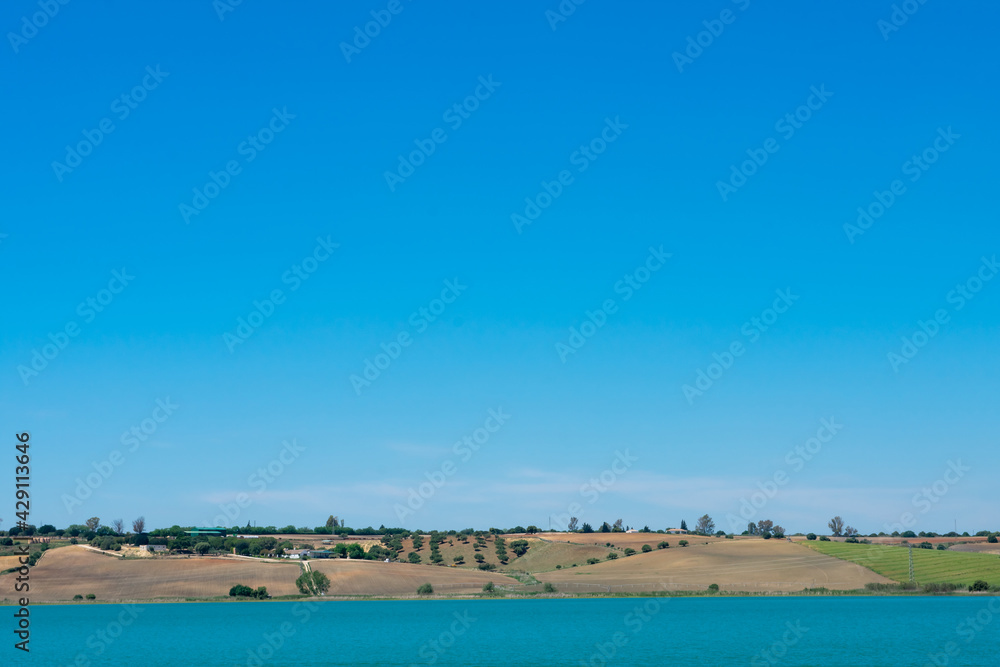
point(7, 562)
point(735, 565)
point(366, 577)
point(68, 571)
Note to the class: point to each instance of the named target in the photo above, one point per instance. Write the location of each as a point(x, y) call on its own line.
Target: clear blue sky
point(642, 140)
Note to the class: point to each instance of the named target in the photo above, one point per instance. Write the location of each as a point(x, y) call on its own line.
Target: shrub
point(663, 545)
point(992, 539)
point(592, 561)
point(766, 535)
point(979, 585)
point(414, 557)
point(683, 543)
point(713, 588)
point(486, 566)
point(77, 597)
point(811, 536)
point(202, 548)
point(613, 555)
point(629, 551)
point(729, 536)
point(646, 548)
point(425, 589)
point(942, 547)
point(854, 540)
point(488, 587)
point(940, 588)
point(925, 545)
point(824, 538)
point(91, 596)
point(549, 588)
point(459, 559)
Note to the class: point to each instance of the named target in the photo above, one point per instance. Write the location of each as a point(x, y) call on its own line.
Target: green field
point(929, 566)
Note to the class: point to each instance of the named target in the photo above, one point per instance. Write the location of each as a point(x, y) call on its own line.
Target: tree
point(139, 525)
point(764, 526)
point(587, 528)
point(519, 547)
point(617, 528)
point(572, 524)
point(531, 530)
point(629, 551)
point(836, 526)
point(684, 524)
point(751, 528)
point(646, 548)
point(425, 589)
point(705, 525)
point(683, 543)
point(332, 521)
point(992, 539)
point(663, 545)
point(414, 557)
point(850, 531)
point(613, 555)
point(488, 587)
point(811, 536)
point(605, 528)
point(118, 526)
point(45, 529)
point(202, 548)
point(93, 522)
point(778, 532)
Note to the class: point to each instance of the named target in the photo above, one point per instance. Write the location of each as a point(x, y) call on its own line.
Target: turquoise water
point(619, 631)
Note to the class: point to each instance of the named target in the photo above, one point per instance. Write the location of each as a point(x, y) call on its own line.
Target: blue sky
point(641, 139)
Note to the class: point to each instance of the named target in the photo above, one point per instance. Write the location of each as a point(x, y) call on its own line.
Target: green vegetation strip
point(929, 566)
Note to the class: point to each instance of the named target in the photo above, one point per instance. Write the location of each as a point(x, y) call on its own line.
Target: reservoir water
point(825, 631)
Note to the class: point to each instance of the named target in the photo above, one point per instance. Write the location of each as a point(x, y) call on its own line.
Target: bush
point(202, 548)
point(414, 557)
point(549, 588)
point(488, 587)
point(683, 543)
point(979, 585)
point(942, 547)
point(486, 566)
point(77, 597)
point(767, 535)
point(646, 548)
point(593, 561)
point(613, 555)
point(925, 545)
point(629, 551)
point(824, 538)
point(91, 596)
point(992, 539)
point(811, 536)
point(713, 588)
point(854, 540)
point(425, 589)
point(663, 545)
point(940, 588)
